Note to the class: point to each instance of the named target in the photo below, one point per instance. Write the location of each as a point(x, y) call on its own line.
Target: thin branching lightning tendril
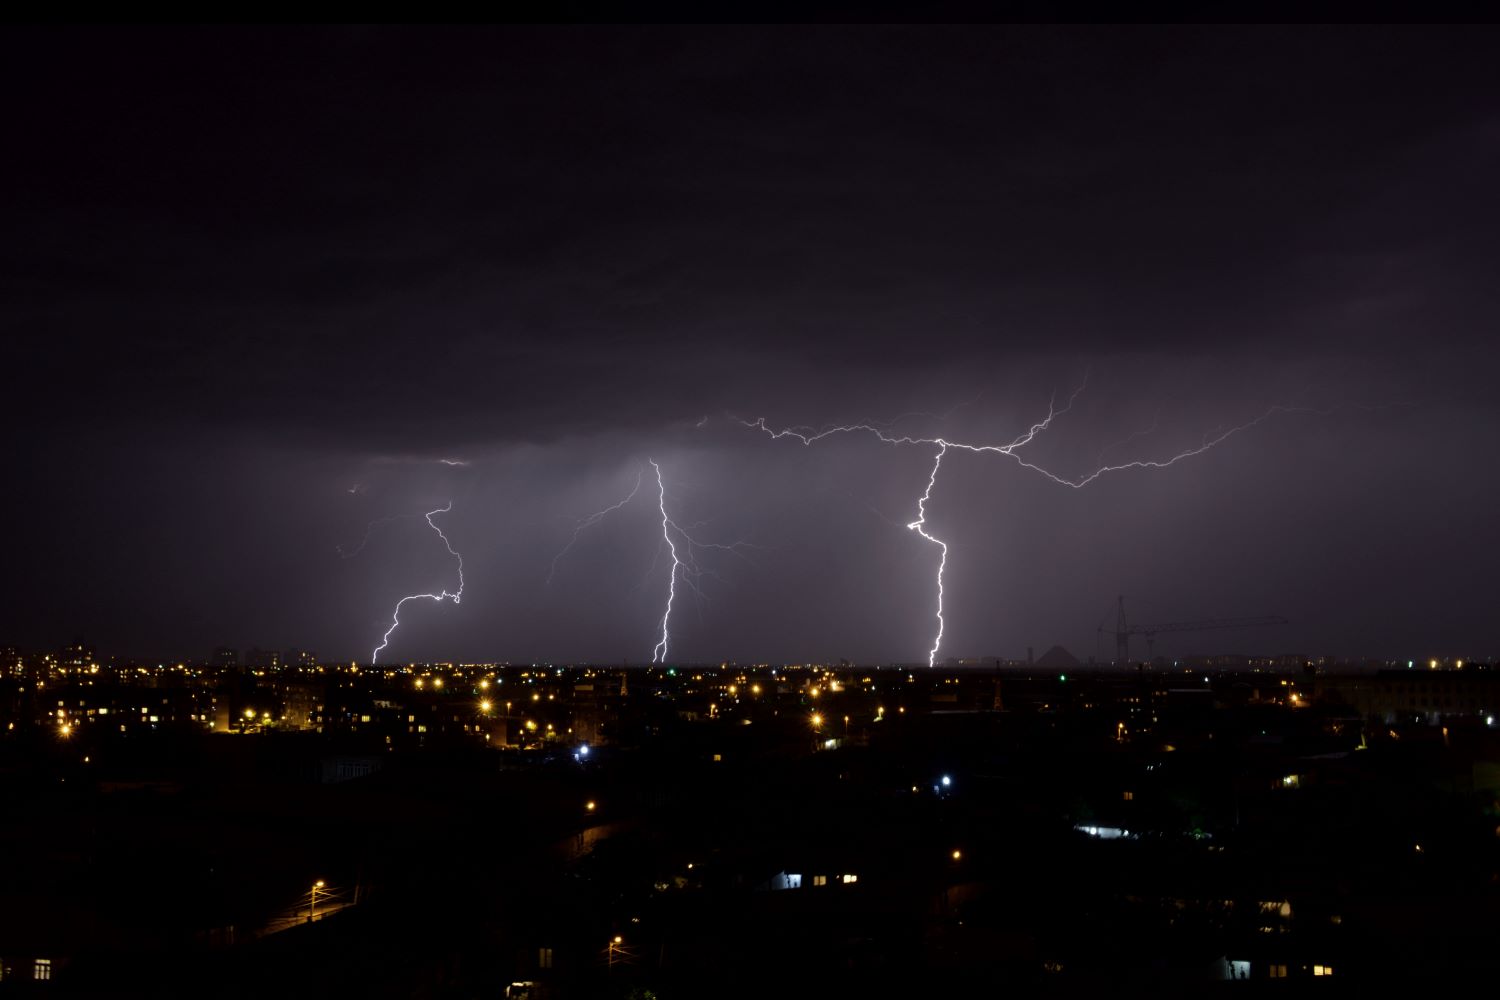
point(593, 519)
point(369, 530)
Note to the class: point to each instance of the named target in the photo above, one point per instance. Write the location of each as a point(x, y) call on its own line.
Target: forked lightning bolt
point(439, 597)
point(593, 519)
point(683, 548)
point(1011, 449)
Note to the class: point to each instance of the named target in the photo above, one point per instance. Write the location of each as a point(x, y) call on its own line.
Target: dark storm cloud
point(317, 261)
point(322, 218)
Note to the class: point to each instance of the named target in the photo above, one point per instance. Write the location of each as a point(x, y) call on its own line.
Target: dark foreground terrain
point(1060, 835)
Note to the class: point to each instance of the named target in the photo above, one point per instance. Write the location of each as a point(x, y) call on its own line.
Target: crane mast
point(1123, 630)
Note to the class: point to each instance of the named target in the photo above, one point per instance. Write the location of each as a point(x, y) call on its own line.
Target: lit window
point(1278, 972)
point(820, 880)
point(1128, 796)
point(849, 879)
point(1322, 970)
point(544, 958)
point(42, 969)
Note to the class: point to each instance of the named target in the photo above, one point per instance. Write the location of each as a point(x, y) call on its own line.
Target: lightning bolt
point(439, 597)
point(659, 654)
point(920, 527)
point(1011, 449)
point(684, 551)
point(593, 519)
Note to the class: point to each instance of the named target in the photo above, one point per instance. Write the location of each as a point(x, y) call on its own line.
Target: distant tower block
point(1030, 659)
point(999, 704)
point(624, 684)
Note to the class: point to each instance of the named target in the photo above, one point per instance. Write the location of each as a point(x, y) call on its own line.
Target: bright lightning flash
point(684, 551)
point(659, 654)
point(809, 435)
point(439, 597)
point(920, 527)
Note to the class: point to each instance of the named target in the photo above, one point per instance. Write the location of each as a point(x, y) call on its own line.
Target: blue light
point(947, 781)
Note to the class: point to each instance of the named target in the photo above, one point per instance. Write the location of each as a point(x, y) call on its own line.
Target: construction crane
point(1123, 630)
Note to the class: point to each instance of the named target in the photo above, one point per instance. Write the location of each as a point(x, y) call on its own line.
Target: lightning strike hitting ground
point(808, 436)
point(659, 654)
point(684, 551)
point(594, 519)
point(920, 527)
point(439, 597)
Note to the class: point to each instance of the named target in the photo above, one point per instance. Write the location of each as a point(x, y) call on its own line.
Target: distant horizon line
point(967, 663)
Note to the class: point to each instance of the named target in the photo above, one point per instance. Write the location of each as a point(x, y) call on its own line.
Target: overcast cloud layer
point(258, 284)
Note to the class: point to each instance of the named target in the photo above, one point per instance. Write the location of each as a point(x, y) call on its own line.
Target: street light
point(312, 903)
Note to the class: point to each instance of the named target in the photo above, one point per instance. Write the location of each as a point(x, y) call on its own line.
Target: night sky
point(259, 284)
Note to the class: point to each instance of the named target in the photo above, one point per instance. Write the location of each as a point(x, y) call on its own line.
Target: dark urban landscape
point(303, 828)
